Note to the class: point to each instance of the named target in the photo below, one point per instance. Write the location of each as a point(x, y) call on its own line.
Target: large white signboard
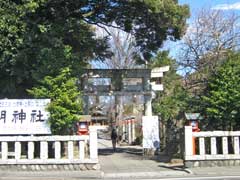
point(150, 132)
point(24, 116)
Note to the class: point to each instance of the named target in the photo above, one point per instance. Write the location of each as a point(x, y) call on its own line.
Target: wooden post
point(194, 145)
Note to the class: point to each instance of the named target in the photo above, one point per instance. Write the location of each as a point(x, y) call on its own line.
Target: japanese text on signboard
point(24, 116)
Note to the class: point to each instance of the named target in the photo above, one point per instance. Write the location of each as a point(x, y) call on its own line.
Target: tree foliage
point(222, 102)
point(39, 37)
point(150, 21)
point(45, 46)
point(65, 103)
point(173, 100)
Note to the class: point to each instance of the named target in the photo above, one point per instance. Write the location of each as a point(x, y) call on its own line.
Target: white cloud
point(235, 6)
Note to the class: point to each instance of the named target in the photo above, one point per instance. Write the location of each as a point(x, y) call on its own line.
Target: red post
point(195, 128)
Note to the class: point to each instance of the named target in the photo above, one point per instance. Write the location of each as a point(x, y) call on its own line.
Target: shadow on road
point(174, 167)
point(127, 150)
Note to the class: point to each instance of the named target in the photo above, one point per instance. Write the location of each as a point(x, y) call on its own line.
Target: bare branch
point(206, 43)
point(123, 47)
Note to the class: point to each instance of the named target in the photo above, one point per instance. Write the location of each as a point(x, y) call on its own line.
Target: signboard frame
point(24, 117)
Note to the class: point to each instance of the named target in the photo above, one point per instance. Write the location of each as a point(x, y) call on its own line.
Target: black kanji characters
point(3, 116)
point(36, 117)
point(19, 116)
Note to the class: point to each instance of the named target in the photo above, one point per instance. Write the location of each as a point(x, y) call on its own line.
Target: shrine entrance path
point(129, 161)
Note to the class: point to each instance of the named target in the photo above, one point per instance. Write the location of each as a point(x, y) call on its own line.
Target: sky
point(232, 5)
point(195, 7)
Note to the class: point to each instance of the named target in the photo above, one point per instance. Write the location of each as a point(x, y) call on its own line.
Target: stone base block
point(49, 167)
point(211, 163)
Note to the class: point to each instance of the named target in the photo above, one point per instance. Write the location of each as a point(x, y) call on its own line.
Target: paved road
point(128, 161)
point(203, 178)
point(78, 178)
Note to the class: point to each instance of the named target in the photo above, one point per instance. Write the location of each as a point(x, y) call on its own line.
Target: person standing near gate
point(114, 138)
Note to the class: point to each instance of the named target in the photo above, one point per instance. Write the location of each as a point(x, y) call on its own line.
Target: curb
point(52, 175)
point(146, 174)
point(93, 175)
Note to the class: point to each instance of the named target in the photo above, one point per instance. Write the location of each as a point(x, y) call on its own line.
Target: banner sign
point(24, 116)
point(150, 132)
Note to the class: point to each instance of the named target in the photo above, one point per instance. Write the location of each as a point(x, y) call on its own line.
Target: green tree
point(39, 37)
point(65, 104)
point(222, 102)
point(12, 32)
point(170, 103)
point(173, 100)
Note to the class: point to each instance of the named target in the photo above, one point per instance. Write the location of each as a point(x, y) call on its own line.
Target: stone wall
point(211, 163)
point(50, 167)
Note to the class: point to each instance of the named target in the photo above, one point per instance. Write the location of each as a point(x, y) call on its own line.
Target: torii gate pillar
point(147, 97)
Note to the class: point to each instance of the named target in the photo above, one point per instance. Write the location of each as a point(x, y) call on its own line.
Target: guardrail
point(211, 145)
point(49, 149)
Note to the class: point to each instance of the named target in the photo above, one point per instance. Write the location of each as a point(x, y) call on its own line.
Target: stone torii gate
point(150, 81)
point(139, 82)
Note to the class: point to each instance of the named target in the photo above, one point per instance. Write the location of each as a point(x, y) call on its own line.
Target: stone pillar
point(85, 88)
point(85, 104)
point(30, 150)
point(129, 131)
point(93, 144)
point(81, 149)
point(118, 105)
point(124, 131)
point(236, 145)
point(17, 150)
point(188, 141)
point(147, 97)
point(202, 146)
point(4, 150)
point(70, 150)
point(225, 145)
point(213, 146)
point(57, 146)
point(147, 105)
point(43, 150)
point(133, 130)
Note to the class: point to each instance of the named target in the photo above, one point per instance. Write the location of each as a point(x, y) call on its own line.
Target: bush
point(65, 104)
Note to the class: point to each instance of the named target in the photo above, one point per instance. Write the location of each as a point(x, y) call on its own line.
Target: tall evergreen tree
point(65, 104)
point(222, 102)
